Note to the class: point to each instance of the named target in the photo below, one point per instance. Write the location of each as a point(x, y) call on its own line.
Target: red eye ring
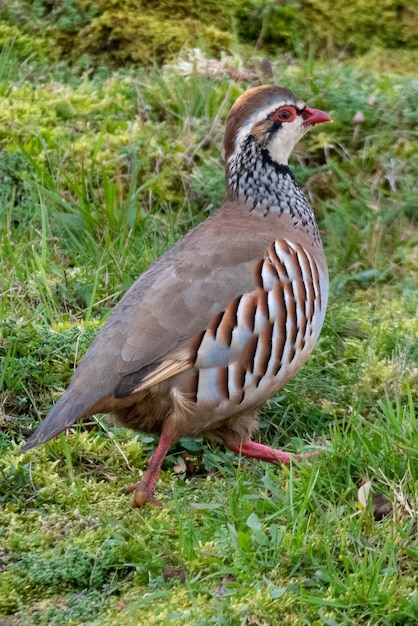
point(284, 114)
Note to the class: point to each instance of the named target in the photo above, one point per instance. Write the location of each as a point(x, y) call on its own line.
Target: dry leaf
point(221, 590)
point(179, 573)
point(381, 506)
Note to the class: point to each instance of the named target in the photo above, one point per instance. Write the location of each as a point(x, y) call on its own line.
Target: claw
point(142, 495)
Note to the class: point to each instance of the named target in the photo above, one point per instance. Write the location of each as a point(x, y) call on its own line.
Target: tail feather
point(64, 414)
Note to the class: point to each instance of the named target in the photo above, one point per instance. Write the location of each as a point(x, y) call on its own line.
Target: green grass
point(99, 175)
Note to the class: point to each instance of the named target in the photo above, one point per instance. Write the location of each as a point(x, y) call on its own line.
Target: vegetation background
point(111, 126)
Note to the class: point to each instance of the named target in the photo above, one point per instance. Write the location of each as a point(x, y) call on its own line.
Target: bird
point(226, 317)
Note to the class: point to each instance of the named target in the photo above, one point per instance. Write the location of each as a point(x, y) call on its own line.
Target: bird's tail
point(64, 414)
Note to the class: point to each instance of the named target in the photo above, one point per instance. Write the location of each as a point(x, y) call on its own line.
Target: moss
point(23, 44)
point(131, 36)
point(33, 355)
point(16, 197)
point(9, 597)
point(125, 31)
point(211, 12)
point(389, 60)
point(54, 572)
point(122, 31)
point(269, 25)
point(360, 25)
point(328, 26)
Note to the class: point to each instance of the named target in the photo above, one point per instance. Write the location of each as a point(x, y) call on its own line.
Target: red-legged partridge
point(226, 317)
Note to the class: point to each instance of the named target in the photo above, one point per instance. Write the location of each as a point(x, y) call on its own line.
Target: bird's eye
point(284, 114)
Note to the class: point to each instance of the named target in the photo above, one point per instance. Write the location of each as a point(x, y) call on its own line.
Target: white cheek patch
point(283, 142)
point(263, 114)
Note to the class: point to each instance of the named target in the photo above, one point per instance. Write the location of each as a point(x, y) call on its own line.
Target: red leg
point(265, 453)
point(145, 488)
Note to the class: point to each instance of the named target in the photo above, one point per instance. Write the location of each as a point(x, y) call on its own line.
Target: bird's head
point(274, 117)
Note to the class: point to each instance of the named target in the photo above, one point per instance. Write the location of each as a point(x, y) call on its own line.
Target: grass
point(99, 175)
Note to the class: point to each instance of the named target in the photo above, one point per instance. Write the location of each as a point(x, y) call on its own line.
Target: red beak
point(315, 116)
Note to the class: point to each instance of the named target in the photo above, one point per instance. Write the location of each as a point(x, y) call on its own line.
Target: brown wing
point(149, 330)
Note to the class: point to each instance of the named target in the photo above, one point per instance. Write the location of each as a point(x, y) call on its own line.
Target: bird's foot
point(271, 455)
point(143, 494)
point(144, 489)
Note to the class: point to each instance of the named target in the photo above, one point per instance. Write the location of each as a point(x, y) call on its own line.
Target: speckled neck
point(268, 187)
